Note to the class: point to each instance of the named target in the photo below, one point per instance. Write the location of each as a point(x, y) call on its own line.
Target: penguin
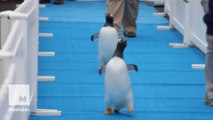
point(108, 39)
point(130, 67)
point(118, 91)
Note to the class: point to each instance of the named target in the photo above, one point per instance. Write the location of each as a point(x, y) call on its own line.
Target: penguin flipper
point(131, 67)
point(101, 70)
point(94, 36)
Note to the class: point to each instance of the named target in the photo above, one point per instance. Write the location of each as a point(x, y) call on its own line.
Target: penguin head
point(109, 20)
point(121, 45)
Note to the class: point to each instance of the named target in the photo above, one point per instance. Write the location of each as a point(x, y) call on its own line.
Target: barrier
point(19, 59)
point(19, 62)
point(197, 27)
point(187, 18)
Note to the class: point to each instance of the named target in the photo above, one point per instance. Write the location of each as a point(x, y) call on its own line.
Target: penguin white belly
point(108, 39)
point(117, 84)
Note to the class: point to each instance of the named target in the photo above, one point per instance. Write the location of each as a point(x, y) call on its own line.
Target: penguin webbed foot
point(108, 111)
point(131, 67)
point(130, 109)
point(116, 110)
point(94, 36)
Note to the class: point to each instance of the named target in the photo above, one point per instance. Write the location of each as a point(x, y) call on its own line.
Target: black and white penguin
point(118, 91)
point(108, 39)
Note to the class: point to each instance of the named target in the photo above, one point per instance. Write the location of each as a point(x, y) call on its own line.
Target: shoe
point(208, 102)
point(209, 98)
point(58, 2)
point(44, 1)
point(131, 34)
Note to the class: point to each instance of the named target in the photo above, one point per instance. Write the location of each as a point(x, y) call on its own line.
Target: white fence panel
point(179, 15)
point(13, 55)
point(198, 28)
point(187, 18)
point(168, 5)
point(19, 56)
point(179, 18)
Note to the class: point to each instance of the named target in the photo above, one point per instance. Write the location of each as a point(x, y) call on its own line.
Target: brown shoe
point(58, 2)
point(208, 101)
point(131, 34)
point(209, 98)
point(44, 1)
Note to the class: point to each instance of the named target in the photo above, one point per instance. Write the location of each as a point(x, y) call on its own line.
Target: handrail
point(5, 52)
point(10, 38)
point(8, 54)
point(23, 6)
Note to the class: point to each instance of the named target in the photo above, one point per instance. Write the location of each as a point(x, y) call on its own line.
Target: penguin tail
point(131, 67)
point(94, 36)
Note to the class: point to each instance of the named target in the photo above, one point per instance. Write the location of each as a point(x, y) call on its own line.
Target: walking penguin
point(118, 91)
point(108, 39)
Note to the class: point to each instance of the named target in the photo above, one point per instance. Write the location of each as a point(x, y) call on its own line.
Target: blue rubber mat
point(165, 88)
point(93, 12)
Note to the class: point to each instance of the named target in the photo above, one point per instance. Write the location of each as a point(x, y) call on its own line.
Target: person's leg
point(209, 71)
point(209, 62)
point(204, 3)
point(116, 8)
point(130, 16)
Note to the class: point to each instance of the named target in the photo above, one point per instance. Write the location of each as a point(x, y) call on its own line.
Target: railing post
point(187, 24)
point(34, 58)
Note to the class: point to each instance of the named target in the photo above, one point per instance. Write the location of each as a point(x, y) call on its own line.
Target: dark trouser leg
point(130, 15)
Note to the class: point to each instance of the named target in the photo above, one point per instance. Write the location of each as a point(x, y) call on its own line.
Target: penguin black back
point(109, 20)
point(121, 45)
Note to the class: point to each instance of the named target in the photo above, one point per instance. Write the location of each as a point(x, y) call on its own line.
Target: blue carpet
point(93, 12)
point(165, 88)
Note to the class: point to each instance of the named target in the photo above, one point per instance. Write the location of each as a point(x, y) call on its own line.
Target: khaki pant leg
point(209, 64)
point(116, 7)
point(130, 15)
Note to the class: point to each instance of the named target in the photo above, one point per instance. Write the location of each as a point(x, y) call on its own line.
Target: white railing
point(197, 27)
point(187, 18)
point(19, 56)
point(19, 60)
